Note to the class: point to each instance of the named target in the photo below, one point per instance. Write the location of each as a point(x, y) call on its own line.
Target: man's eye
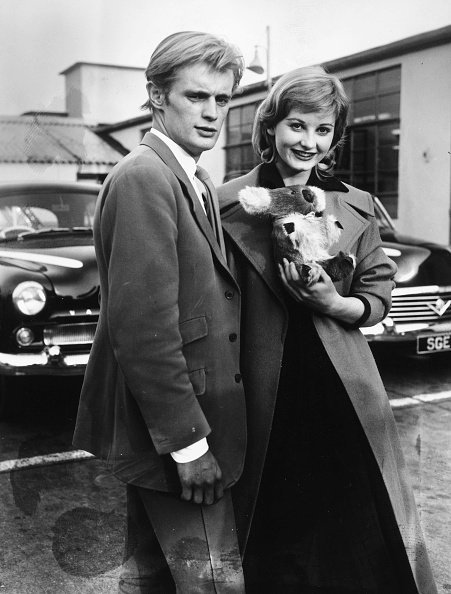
point(222, 101)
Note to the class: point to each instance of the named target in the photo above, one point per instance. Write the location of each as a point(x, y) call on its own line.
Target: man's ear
point(156, 96)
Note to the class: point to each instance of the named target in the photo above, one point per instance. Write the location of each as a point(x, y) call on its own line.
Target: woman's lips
point(303, 155)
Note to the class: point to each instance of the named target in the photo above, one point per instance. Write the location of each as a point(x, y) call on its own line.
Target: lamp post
point(256, 64)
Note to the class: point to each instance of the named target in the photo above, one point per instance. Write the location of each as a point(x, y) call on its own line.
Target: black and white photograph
point(225, 297)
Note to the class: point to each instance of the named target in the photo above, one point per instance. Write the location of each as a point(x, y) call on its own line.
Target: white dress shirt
point(186, 161)
point(188, 164)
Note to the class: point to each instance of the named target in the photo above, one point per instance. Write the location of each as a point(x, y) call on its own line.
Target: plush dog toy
point(301, 232)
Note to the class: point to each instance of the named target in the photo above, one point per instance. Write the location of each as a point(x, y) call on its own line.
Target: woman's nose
point(307, 139)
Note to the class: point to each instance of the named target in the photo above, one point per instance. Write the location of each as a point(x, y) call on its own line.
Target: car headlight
point(29, 297)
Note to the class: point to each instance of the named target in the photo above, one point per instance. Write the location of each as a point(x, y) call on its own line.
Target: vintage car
point(49, 284)
point(420, 318)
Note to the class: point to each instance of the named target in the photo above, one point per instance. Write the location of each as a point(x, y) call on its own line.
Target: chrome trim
point(69, 334)
point(42, 359)
point(421, 290)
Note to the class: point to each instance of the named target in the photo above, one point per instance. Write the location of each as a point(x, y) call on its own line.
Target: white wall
point(105, 94)
point(129, 137)
point(425, 149)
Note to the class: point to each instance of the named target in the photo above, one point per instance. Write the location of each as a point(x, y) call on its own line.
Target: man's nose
point(210, 111)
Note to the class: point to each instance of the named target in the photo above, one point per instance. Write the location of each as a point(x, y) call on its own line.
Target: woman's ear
point(270, 131)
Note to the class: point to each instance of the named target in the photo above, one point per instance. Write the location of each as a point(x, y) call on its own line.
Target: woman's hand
point(319, 293)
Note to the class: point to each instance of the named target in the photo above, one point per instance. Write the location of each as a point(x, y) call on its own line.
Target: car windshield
point(40, 212)
point(383, 218)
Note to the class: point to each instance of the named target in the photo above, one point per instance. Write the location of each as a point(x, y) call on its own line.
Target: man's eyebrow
point(203, 93)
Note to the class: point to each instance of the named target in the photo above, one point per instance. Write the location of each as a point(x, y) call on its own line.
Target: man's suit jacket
point(164, 367)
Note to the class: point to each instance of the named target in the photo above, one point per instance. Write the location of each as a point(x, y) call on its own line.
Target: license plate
point(434, 343)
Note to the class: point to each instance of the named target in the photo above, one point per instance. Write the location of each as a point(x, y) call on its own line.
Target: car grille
point(421, 304)
point(69, 334)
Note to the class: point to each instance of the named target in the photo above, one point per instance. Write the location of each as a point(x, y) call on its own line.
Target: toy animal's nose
point(289, 227)
point(308, 194)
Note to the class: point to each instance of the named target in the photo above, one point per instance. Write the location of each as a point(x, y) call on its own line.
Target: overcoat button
point(238, 378)
point(233, 337)
point(229, 294)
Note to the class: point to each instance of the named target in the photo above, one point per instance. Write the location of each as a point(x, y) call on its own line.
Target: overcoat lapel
point(165, 154)
point(351, 221)
point(252, 235)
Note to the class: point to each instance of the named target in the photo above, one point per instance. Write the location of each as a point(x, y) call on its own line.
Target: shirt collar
point(185, 160)
point(269, 177)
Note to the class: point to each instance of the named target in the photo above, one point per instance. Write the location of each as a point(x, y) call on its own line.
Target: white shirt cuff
point(191, 452)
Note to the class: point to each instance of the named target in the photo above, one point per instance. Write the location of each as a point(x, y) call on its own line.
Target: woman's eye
point(324, 131)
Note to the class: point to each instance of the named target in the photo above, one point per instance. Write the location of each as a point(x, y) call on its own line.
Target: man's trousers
point(174, 546)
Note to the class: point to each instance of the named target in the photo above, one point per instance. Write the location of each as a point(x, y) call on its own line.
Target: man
point(162, 399)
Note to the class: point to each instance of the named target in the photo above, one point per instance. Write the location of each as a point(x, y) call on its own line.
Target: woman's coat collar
point(253, 234)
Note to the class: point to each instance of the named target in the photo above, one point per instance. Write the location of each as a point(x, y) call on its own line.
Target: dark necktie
point(200, 176)
point(206, 183)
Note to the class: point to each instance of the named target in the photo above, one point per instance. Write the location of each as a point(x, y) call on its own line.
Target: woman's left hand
point(318, 293)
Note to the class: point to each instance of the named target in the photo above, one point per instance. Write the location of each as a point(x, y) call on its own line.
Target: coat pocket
point(193, 329)
point(197, 379)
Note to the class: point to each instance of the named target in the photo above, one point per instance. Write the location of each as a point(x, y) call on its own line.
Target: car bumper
point(389, 332)
point(50, 361)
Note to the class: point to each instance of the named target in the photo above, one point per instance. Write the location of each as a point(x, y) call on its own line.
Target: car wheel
point(11, 399)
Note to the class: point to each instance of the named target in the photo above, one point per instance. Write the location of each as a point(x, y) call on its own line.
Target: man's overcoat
point(164, 367)
point(264, 326)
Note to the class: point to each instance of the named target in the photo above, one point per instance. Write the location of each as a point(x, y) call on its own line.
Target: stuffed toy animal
point(302, 233)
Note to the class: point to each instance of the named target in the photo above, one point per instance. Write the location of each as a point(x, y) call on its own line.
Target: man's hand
point(201, 479)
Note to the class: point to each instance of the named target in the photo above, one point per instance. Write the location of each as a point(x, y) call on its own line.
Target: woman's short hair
point(309, 89)
point(191, 47)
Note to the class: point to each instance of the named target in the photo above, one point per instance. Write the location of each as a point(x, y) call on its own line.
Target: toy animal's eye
point(318, 214)
point(289, 227)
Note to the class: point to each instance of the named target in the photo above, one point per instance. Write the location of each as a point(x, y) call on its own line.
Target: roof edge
point(391, 50)
point(101, 65)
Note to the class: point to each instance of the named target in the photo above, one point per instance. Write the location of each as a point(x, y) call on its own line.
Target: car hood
point(419, 262)
point(71, 270)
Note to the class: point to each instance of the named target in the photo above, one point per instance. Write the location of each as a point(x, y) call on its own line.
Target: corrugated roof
point(47, 139)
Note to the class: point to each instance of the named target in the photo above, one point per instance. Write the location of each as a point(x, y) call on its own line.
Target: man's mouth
point(206, 130)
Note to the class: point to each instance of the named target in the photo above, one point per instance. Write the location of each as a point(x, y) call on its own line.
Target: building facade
point(398, 144)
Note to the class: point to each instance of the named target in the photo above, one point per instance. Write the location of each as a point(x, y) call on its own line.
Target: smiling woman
point(322, 436)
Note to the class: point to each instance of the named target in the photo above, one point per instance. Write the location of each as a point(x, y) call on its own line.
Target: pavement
point(62, 520)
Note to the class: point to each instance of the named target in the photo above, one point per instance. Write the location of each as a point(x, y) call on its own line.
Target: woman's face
point(302, 140)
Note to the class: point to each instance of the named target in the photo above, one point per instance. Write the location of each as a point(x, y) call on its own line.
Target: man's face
point(193, 111)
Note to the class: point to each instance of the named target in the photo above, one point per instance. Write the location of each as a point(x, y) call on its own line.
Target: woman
point(334, 511)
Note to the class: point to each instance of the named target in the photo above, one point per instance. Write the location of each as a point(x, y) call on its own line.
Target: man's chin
point(205, 144)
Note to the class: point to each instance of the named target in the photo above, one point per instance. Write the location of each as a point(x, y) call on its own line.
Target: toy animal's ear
point(319, 197)
point(255, 200)
point(338, 224)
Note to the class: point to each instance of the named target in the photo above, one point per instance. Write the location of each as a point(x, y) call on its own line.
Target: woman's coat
point(263, 330)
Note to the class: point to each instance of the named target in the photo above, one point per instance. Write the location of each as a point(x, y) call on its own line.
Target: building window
point(369, 158)
point(240, 156)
